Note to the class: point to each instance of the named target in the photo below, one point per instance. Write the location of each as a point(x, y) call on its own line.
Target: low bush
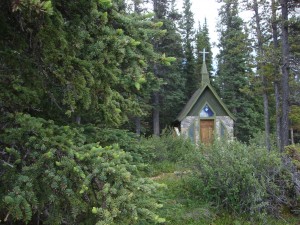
point(259, 140)
point(51, 174)
point(168, 152)
point(239, 178)
point(293, 151)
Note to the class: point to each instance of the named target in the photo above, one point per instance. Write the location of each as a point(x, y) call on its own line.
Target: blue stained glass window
point(206, 112)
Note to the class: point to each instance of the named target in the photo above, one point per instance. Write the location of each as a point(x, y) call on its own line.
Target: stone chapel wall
point(189, 120)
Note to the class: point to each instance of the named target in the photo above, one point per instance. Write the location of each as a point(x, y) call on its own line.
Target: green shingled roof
point(193, 100)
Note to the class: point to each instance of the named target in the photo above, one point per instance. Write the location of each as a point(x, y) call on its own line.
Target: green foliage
point(127, 141)
point(84, 58)
point(188, 36)
point(234, 71)
point(180, 207)
point(259, 140)
point(183, 198)
point(52, 174)
point(295, 116)
point(168, 152)
point(35, 6)
point(172, 91)
point(203, 42)
point(169, 147)
point(238, 178)
point(293, 151)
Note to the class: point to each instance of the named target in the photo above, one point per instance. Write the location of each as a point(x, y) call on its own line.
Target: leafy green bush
point(236, 177)
point(293, 151)
point(50, 175)
point(259, 139)
point(168, 152)
point(127, 141)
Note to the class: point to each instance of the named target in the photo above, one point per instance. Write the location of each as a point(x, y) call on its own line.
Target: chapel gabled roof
point(193, 100)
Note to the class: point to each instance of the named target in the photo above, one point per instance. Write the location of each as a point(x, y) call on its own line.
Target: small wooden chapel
point(205, 116)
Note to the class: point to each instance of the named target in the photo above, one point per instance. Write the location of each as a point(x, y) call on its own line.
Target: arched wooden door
point(206, 131)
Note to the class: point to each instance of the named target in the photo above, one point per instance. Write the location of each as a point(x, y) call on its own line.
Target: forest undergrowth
point(52, 174)
point(225, 183)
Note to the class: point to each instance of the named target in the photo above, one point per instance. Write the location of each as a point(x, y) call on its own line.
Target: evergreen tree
point(275, 72)
point(203, 42)
point(285, 88)
point(261, 35)
point(86, 60)
point(234, 71)
point(65, 60)
point(188, 36)
point(54, 174)
point(168, 99)
point(173, 91)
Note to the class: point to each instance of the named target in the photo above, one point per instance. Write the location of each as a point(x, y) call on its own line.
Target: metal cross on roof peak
point(204, 52)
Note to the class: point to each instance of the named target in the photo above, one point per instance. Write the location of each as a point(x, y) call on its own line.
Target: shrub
point(168, 152)
point(51, 175)
point(127, 141)
point(291, 180)
point(259, 139)
point(169, 147)
point(236, 177)
point(293, 151)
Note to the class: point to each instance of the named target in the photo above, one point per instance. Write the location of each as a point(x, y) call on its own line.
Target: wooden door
point(206, 131)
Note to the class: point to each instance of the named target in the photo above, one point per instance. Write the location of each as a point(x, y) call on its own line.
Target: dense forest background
point(74, 75)
point(134, 64)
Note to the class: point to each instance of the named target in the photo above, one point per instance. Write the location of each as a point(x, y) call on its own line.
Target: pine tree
point(285, 75)
point(234, 71)
point(54, 174)
point(93, 60)
point(188, 36)
point(170, 96)
point(173, 92)
point(203, 42)
point(275, 72)
point(261, 35)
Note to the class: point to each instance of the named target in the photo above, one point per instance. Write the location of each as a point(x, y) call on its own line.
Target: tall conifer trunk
point(285, 75)
point(156, 114)
point(264, 80)
point(137, 121)
point(276, 78)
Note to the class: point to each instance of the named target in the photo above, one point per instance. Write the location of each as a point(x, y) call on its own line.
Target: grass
point(178, 207)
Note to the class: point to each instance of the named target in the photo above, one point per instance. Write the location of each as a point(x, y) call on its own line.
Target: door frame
point(214, 127)
point(213, 118)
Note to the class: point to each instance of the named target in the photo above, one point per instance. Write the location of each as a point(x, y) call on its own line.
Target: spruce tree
point(168, 99)
point(203, 42)
point(54, 174)
point(285, 48)
point(188, 36)
point(234, 71)
point(173, 92)
point(85, 60)
point(260, 43)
